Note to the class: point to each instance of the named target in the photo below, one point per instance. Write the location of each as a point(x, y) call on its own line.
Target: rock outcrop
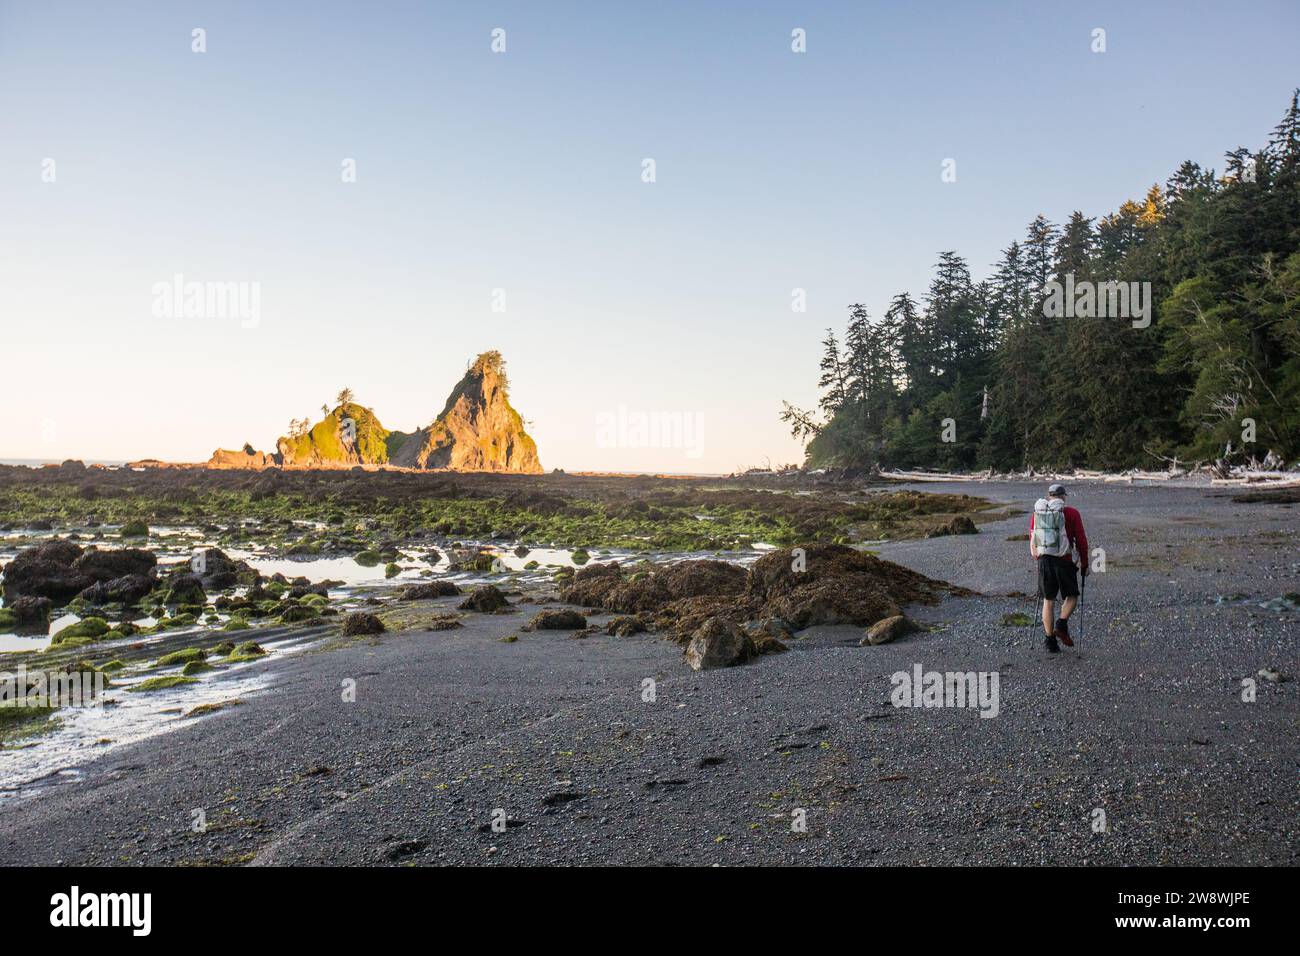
point(350, 435)
point(478, 429)
point(244, 458)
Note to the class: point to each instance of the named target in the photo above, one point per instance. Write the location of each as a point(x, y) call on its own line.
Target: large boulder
point(428, 590)
point(719, 643)
point(186, 589)
point(107, 565)
point(216, 571)
point(128, 589)
point(835, 584)
point(46, 571)
point(30, 611)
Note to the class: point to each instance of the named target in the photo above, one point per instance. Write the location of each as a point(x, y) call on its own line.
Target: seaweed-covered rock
point(30, 611)
point(362, 622)
point(106, 565)
point(129, 589)
point(485, 599)
point(89, 628)
point(958, 525)
point(429, 589)
point(247, 651)
point(564, 620)
point(216, 570)
point(613, 588)
point(719, 643)
point(299, 613)
point(625, 625)
point(835, 584)
point(814, 584)
point(46, 571)
point(186, 589)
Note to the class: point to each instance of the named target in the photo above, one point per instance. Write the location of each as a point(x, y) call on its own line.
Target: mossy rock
point(91, 628)
point(134, 529)
point(204, 709)
point(17, 720)
point(125, 629)
point(247, 651)
point(298, 614)
point(236, 624)
point(224, 648)
point(112, 666)
point(195, 667)
point(7, 619)
point(367, 559)
point(162, 683)
point(181, 657)
point(362, 622)
point(392, 571)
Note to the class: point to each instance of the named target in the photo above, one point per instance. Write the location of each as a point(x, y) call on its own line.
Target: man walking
point(1054, 530)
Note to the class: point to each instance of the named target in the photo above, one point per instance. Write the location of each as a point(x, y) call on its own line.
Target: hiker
point(1053, 530)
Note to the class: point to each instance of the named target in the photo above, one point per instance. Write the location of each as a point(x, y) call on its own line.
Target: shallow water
point(86, 733)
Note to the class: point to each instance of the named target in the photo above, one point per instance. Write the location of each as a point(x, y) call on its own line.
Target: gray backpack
point(1049, 527)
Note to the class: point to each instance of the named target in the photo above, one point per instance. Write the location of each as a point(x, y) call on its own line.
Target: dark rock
point(485, 599)
point(362, 622)
point(216, 570)
point(557, 621)
point(429, 589)
point(958, 525)
point(888, 629)
point(46, 571)
point(186, 589)
point(128, 589)
point(719, 643)
point(30, 611)
point(625, 626)
point(109, 565)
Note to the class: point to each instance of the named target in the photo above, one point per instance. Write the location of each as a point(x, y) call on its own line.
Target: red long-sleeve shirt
point(1073, 531)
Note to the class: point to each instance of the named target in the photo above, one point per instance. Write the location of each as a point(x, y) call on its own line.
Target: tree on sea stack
point(345, 396)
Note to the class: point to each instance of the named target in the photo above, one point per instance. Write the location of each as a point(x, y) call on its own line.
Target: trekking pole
point(1083, 587)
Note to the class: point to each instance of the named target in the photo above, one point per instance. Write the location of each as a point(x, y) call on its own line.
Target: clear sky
point(522, 171)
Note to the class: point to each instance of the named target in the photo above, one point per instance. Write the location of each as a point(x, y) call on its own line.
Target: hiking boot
point(1063, 632)
point(1049, 642)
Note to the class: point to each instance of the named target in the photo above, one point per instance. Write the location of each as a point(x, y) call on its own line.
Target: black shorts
point(1057, 575)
